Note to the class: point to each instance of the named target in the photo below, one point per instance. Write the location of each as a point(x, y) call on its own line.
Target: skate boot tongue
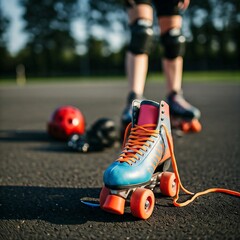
point(148, 113)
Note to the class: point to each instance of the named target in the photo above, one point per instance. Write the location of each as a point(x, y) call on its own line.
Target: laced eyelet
point(140, 138)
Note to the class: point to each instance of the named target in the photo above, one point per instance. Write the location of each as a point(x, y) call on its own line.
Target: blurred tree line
point(211, 27)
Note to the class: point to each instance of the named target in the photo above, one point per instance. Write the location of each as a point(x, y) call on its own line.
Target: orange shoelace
point(179, 185)
point(138, 140)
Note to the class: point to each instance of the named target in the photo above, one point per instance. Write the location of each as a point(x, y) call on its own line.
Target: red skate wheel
point(168, 184)
point(103, 195)
point(114, 204)
point(142, 203)
point(196, 126)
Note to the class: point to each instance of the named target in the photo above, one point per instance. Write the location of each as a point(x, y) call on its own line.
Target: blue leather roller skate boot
point(142, 163)
point(184, 116)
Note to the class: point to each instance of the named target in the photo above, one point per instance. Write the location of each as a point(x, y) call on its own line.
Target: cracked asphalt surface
point(42, 181)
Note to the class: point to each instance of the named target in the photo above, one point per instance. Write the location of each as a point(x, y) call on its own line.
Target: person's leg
point(172, 64)
point(173, 42)
point(140, 15)
point(140, 22)
point(170, 23)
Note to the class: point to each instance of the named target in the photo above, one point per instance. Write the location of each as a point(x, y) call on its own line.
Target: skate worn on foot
point(184, 116)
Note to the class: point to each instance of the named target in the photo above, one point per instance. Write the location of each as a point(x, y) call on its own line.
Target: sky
point(17, 38)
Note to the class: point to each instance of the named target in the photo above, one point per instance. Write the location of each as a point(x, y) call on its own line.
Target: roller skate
point(127, 113)
point(143, 163)
point(184, 116)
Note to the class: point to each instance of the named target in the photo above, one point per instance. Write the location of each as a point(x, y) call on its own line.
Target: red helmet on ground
point(65, 121)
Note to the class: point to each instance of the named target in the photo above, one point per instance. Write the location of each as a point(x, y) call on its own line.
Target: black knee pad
point(174, 43)
point(141, 37)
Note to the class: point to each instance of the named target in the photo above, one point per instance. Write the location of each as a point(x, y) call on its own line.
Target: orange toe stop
point(114, 204)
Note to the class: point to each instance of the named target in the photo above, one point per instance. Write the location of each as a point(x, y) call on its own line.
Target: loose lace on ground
point(179, 185)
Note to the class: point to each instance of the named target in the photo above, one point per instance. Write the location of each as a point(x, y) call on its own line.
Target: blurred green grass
point(204, 76)
point(201, 76)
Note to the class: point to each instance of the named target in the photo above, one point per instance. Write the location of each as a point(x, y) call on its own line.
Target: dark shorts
point(163, 7)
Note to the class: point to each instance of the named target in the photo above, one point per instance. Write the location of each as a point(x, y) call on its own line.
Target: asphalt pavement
point(42, 181)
